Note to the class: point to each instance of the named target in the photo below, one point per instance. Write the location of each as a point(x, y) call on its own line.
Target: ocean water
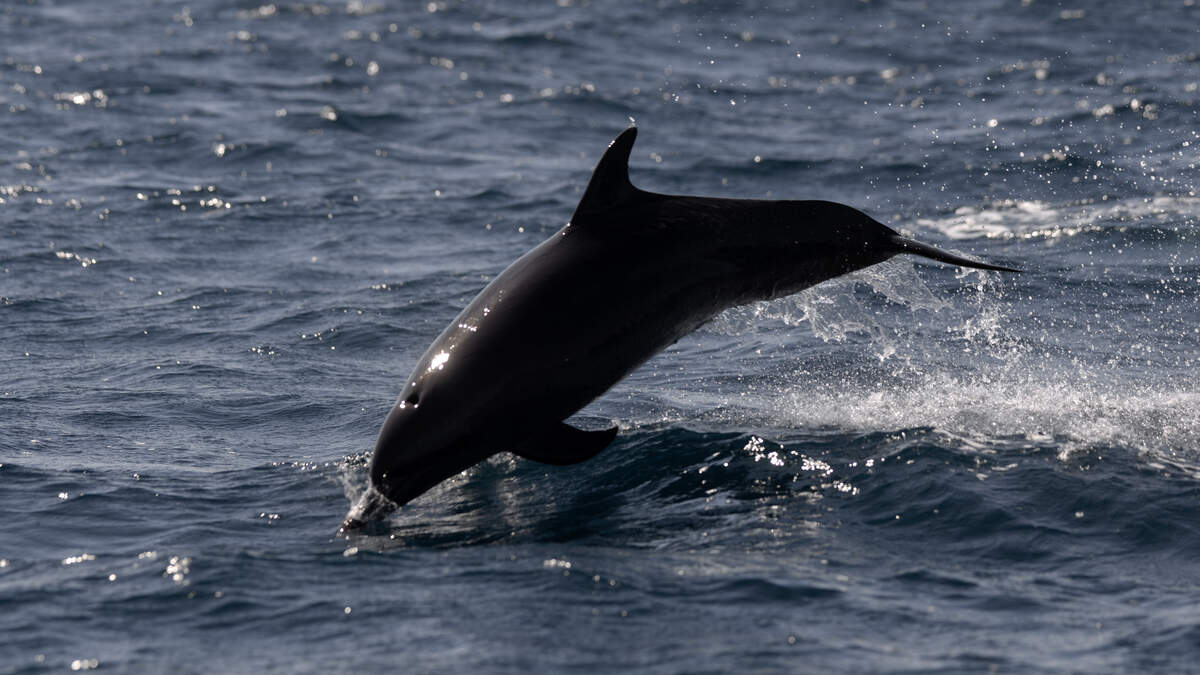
point(228, 229)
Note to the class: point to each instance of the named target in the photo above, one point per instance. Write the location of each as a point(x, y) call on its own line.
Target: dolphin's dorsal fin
point(564, 444)
point(610, 184)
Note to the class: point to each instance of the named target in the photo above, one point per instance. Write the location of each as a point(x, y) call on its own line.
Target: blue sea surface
point(228, 228)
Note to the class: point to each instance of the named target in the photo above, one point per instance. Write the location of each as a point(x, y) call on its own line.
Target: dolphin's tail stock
point(906, 245)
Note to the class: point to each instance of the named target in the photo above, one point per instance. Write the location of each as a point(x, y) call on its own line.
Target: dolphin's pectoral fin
point(564, 444)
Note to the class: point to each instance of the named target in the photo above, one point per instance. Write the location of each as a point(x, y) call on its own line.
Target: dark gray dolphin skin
point(631, 273)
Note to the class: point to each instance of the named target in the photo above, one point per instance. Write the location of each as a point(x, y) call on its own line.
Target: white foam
point(1011, 219)
point(1006, 386)
point(1074, 413)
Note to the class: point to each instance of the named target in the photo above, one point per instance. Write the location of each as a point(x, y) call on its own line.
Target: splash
point(848, 306)
point(353, 476)
point(982, 370)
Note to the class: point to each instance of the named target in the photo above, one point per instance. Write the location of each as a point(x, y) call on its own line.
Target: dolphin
point(631, 273)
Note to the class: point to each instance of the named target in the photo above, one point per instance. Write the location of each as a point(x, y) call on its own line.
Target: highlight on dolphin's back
point(631, 273)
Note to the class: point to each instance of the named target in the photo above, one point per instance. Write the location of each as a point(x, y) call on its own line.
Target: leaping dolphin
point(631, 273)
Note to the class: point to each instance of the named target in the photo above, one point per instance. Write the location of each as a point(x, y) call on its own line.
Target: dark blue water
point(227, 230)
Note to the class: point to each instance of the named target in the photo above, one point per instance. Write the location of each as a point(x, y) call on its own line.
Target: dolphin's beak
point(370, 507)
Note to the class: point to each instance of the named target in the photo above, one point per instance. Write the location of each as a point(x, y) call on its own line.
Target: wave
point(675, 488)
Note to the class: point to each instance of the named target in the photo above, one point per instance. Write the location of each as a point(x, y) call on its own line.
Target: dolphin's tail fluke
point(906, 245)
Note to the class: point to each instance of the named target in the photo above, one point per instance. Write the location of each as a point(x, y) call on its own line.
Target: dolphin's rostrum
point(631, 273)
